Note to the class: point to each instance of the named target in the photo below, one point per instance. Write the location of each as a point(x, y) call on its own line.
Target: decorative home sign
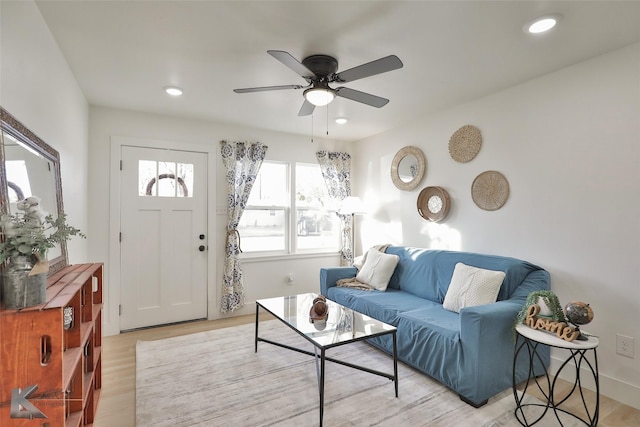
point(433, 204)
point(561, 329)
point(465, 143)
point(490, 190)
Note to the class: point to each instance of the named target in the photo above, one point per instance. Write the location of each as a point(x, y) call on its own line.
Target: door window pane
point(185, 180)
point(147, 173)
point(166, 187)
point(165, 179)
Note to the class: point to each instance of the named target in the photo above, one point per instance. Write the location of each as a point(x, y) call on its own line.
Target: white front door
point(163, 245)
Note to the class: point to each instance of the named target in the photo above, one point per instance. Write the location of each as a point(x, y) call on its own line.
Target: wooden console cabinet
point(56, 346)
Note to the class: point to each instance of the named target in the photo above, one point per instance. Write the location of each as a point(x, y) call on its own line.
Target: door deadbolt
point(201, 237)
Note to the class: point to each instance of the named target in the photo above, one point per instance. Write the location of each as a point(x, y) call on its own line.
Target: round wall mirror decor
point(490, 190)
point(408, 168)
point(433, 203)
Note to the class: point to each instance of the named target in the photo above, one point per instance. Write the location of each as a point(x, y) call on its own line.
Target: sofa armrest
point(488, 345)
point(489, 323)
point(487, 319)
point(329, 276)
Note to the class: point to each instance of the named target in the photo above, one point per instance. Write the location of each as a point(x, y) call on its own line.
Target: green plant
point(25, 235)
point(549, 298)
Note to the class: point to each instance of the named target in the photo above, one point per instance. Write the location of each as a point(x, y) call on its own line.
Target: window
point(165, 179)
point(264, 221)
point(317, 225)
point(278, 220)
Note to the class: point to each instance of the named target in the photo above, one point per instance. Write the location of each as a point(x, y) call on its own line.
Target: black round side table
point(533, 338)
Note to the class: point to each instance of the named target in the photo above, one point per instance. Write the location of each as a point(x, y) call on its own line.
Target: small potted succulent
point(26, 237)
point(549, 305)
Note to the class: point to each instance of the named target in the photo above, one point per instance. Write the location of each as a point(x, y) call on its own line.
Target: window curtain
point(336, 171)
point(242, 161)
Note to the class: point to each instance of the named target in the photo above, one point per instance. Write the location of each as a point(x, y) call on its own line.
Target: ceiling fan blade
point(293, 63)
point(306, 109)
point(382, 65)
point(266, 88)
point(365, 98)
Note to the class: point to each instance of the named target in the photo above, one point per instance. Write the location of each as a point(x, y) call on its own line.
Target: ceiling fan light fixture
point(319, 96)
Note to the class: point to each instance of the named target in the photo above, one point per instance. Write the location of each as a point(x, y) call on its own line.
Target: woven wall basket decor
point(433, 203)
point(490, 190)
point(465, 143)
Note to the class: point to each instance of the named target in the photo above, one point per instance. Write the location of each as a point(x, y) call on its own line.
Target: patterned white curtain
point(242, 161)
point(336, 171)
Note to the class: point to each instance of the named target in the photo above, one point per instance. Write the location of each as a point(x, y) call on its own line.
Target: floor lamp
point(352, 205)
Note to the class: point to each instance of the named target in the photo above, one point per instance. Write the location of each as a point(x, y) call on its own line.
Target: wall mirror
point(408, 168)
point(30, 167)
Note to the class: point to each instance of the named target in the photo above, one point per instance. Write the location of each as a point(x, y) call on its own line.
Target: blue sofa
point(470, 352)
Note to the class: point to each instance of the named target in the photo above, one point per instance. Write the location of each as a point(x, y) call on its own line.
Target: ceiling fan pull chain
point(327, 119)
point(312, 128)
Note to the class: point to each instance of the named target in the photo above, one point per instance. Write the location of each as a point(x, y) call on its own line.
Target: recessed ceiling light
point(341, 120)
point(542, 24)
point(173, 91)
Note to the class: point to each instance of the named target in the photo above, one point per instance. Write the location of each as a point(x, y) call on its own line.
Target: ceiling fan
point(320, 70)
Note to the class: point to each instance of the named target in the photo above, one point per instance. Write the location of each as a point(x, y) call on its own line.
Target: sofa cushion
point(384, 306)
point(427, 272)
point(429, 339)
point(471, 286)
point(377, 269)
point(436, 318)
point(346, 296)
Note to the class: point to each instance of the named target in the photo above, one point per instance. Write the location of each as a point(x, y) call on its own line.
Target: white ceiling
point(123, 53)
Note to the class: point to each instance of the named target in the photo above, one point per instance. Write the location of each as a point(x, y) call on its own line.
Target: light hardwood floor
point(117, 406)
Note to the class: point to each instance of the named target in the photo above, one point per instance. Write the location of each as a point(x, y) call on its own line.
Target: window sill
point(245, 258)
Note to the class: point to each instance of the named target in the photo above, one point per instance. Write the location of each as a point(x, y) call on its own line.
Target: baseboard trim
point(623, 392)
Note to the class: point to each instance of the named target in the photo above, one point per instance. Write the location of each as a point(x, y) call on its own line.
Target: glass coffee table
point(342, 326)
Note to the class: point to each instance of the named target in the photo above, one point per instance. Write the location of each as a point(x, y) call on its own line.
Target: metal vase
point(19, 290)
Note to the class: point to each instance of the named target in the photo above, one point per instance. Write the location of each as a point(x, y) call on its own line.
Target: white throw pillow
point(472, 286)
point(377, 269)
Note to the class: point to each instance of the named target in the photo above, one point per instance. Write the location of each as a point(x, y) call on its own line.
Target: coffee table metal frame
point(319, 350)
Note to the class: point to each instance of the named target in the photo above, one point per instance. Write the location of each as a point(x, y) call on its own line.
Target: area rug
point(215, 378)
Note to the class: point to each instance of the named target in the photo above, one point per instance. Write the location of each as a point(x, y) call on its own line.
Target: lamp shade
point(351, 205)
point(319, 96)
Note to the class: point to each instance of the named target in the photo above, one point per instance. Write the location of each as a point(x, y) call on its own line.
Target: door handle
point(201, 248)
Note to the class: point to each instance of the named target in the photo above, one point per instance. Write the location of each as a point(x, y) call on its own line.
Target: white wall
point(38, 88)
point(569, 145)
point(262, 278)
